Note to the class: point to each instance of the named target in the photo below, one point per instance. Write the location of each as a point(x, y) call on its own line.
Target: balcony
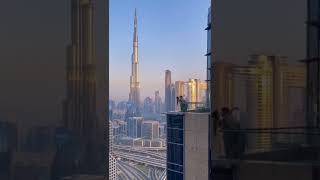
point(272, 153)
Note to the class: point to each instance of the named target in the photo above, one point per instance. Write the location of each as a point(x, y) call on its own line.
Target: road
point(158, 163)
point(150, 158)
point(154, 160)
point(130, 172)
point(136, 173)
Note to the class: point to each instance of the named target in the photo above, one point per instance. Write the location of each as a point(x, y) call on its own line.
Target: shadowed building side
point(80, 106)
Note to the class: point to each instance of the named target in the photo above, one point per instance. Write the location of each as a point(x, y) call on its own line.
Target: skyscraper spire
point(135, 26)
point(134, 96)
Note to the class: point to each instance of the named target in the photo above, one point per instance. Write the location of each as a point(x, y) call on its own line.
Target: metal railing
point(249, 142)
point(197, 107)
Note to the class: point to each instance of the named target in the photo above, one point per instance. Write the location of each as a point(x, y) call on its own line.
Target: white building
point(112, 167)
point(112, 159)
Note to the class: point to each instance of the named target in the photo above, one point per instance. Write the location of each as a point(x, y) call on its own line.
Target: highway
point(143, 148)
point(153, 174)
point(130, 172)
point(126, 172)
point(154, 160)
point(163, 175)
point(136, 173)
point(140, 151)
point(142, 159)
point(141, 156)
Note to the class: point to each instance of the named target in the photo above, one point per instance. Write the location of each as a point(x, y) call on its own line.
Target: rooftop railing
point(257, 142)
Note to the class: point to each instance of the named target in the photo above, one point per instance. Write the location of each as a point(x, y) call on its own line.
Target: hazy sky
point(171, 36)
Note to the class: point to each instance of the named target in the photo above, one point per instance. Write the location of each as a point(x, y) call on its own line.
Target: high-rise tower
point(134, 96)
point(84, 106)
point(168, 94)
point(80, 103)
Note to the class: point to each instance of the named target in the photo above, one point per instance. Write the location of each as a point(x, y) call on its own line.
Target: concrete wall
point(196, 146)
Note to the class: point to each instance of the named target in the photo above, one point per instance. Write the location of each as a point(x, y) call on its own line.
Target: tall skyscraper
point(134, 96)
point(80, 103)
point(173, 98)
point(260, 103)
point(148, 107)
point(223, 85)
point(157, 102)
point(179, 87)
point(168, 93)
point(289, 100)
point(270, 94)
point(194, 94)
point(84, 105)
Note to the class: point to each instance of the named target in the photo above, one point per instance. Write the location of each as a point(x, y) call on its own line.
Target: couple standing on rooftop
point(183, 104)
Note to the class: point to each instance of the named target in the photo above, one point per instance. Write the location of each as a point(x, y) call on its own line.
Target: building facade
point(223, 85)
point(313, 65)
point(150, 130)
point(148, 105)
point(84, 106)
point(134, 126)
point(112, 160)
point(168, 91)
point(173, 97)
point(112, 167)
point(196, 92)
point(157, 102)
point(187, 146)
point(208, 55)
point(80, 103)
point(270, 94)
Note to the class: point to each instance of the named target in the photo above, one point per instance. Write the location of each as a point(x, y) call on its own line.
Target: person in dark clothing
point(231, 138)
point(227, 136)
point(239, 137)
point(183, 104)
point(216, 121)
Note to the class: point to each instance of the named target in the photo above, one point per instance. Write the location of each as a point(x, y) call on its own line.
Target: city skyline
point(152, 53)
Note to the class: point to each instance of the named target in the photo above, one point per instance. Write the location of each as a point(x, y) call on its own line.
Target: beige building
point(258, 81)
point(290, 109)
point(222, 85)
point(264, 91)
point(196, 91)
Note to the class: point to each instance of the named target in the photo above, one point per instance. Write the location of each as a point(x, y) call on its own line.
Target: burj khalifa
point(134, 96)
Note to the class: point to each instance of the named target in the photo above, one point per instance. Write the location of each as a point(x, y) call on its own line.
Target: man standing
point(230, 137)
point(183, 104)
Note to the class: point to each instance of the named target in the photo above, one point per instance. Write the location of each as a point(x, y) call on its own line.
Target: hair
point(216, 114)
point(225, 110)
